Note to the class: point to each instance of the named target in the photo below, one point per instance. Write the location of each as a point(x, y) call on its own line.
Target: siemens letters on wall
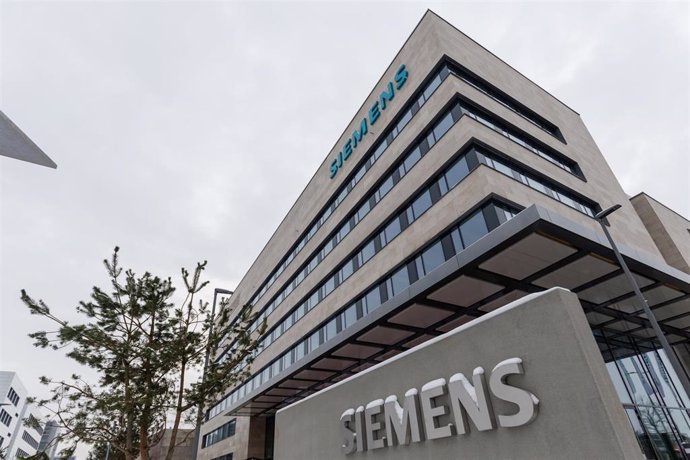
point(385, 423)
point(374, 113)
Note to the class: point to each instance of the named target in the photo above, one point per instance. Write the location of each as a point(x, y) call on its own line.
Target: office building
point(459, 186)
point(16, 437)
point(49, 443)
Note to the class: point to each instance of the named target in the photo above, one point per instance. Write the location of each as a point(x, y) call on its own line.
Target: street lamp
point(677, 367)
point(199, 417)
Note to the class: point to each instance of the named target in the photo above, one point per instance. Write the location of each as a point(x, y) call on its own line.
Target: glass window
point(404, 120)
point(412, 158)
point(346, 271)
point(363, 210)
point(442, 186)
point(421, 204)
point(473, 229)
point(330, 285)
point(430, 140)
point(379, 150)
point(299, 351)
point(314, 341)
point(443, 126)
point(400, 280)
point(420, 266)
point(500, 167)
point(457, 172)
point(368, 251)
point(433, 257)
point(287, 323)
point(392, 230)
point(287, 360)
point(301, 311)
point(313, 300)
point(386, 186)
point(331, 330)
point(536, 185)
point(432, 87)
point(350, 316)
point(373, 299)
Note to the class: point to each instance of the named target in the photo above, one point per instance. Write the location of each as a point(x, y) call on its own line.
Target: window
point(457, 172)
point(5, 418)
point(22, 454)
point(392, 230)
point(400, 280)
point(373, 300)
point(421, 204)
point(507, 101)
point(29, 440)
point(220, 433)
point(433, 257)
point(350, 316)
point(13, 396)
point(368, 251)
point(443, 126)
point(541, 185)
point(224, 457)
point(473, 229)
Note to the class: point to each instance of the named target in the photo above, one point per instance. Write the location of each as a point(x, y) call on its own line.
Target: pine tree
point(143, 347)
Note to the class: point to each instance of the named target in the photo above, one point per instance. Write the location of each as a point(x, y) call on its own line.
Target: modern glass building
point(459, 186)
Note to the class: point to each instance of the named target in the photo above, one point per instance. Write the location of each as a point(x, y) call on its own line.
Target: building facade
point(18, 439)
point(184, 442)
point(459, 186)
point(49, 442)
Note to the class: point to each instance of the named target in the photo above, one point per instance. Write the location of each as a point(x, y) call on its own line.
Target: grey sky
point(185, 131)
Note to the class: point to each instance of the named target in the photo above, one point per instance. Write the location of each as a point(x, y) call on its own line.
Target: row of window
point(519, 138)
point(473, 156)
point(29, 439)
point(404, 165)
point(220, 433)
point(445, 122)
point(5, 418)
point(375, 152)
point(443, 248)
point(530, 180)
point(497, 95)
point(430, 137)
point(425, 199)
point(403, 119)
point(13, 396)
point(223, 457)
point(22, 454)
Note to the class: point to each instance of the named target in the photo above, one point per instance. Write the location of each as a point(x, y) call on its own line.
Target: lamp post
point(642, 302)
point(199, 417)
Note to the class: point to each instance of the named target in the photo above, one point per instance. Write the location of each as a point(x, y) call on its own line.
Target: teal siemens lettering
point(374, 113)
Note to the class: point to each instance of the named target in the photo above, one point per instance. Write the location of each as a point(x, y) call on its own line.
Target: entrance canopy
point(534, 251)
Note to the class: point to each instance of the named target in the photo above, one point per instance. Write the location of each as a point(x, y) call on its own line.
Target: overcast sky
point(185, 131)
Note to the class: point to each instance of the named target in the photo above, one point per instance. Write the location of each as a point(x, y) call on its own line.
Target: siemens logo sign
point(374, 113)
point(385, 423)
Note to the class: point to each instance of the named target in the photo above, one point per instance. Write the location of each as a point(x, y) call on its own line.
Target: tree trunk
point(178, 414)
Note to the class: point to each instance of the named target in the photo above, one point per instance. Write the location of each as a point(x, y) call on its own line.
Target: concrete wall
point(579, 415)
point(184, 442)
point(669, 230)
